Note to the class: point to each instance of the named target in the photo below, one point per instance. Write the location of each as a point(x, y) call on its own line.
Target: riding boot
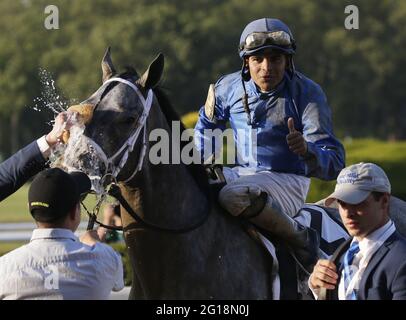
point(302, 240)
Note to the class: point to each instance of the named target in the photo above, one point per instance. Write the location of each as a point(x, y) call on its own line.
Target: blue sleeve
point(17, 169)
point(325, 155)
point(205, 141)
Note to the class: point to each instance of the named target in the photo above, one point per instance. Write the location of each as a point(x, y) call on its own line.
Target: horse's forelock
point(130, 73)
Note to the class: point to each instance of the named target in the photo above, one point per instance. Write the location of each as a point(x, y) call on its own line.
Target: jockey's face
point(363, 218)
point(267, 69)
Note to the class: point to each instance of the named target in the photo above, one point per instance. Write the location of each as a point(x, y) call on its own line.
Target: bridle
point(113, 170)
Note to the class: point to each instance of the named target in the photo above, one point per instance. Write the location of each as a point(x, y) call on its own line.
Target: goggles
point(258, 39)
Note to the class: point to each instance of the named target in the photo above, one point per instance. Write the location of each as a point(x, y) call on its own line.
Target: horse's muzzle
point(85, 115)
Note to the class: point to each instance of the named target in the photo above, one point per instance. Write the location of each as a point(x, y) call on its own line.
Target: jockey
point(281, 119)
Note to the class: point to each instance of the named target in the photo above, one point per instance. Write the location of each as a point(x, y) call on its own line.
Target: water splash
point(50, 98)
point(77, 154)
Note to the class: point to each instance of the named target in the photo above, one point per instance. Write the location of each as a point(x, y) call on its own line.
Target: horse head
point(113, 124)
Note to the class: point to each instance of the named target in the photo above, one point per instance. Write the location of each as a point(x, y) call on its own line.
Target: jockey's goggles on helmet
point(259, 39)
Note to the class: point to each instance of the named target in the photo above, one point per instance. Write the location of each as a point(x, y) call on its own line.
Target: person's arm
point(30, 160)
point(17, 169)
point(108, 219)
point(212, 116)
point(325, 156)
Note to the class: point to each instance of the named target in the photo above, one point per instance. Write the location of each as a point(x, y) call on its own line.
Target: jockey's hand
point(62, 123)
point(324, 275)
point(297, 144)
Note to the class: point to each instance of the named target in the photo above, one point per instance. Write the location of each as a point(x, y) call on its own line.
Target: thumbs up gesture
point(297, 144)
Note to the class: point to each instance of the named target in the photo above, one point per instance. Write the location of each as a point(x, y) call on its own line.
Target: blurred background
point(363, 72)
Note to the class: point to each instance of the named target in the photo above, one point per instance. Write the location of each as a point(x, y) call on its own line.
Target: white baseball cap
point(356, 182)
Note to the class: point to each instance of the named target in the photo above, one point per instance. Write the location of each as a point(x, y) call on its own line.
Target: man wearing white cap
point(372, 264)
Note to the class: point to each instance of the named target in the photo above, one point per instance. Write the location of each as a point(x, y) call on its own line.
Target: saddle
point(296, 262)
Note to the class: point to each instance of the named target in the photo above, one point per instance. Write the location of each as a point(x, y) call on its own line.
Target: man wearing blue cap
point(280, 118)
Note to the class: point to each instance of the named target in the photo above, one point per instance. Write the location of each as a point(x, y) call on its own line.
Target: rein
point(116, 193)
point(128, 147)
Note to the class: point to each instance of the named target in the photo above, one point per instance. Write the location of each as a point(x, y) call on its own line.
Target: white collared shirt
point(368, 246)
point(56, 265)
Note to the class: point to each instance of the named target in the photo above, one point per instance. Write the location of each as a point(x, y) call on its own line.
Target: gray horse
point(211, 256)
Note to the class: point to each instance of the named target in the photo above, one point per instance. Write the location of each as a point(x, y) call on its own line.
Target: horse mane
point(196, 170)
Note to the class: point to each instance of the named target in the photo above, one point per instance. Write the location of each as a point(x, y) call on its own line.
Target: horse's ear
point(153, 75)
point(107, 66)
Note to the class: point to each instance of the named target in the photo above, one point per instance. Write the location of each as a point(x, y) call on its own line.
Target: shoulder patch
point(210, 103)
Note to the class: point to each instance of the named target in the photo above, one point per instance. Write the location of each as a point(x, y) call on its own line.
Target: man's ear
point(246, 65)
point(385, 201)
point(246, 70)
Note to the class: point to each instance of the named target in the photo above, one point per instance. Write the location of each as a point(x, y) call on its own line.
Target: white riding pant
point(286, 189)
